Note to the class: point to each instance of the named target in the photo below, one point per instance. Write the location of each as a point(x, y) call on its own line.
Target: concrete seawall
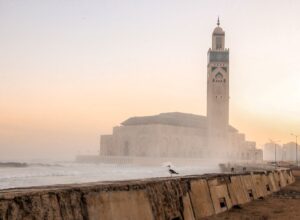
point(187, 197)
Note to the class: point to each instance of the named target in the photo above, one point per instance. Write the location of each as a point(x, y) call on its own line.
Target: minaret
point(218, 92)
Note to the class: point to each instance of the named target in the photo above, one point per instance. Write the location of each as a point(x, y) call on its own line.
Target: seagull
point(171, 171)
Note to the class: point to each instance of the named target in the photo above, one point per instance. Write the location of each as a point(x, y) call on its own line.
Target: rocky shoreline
point(12, 164)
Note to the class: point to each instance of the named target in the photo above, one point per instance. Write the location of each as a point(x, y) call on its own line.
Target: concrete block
point(249, 187)
point(277, 178)
point(259, 184)
point(188, 213)
point(52, 206)
point(201, 199)
point(282, 178)
point(237, 191)
point(273, 182)
point(288, 176)
point(133, 205)
point(219, 194)
point(292, 175)
point(266, 183)
point(166, 198)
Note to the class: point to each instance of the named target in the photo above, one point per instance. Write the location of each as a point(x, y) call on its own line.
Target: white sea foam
point(65, 173)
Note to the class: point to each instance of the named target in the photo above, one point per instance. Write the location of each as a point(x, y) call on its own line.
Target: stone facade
point(172, 135)
point(218, 91)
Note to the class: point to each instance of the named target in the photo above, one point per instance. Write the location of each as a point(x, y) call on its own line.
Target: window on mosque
point(225, 69)
point(219, 42)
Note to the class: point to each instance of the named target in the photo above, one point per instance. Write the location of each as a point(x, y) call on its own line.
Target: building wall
point(154, 140)
point(269, 152)
point(106, 146)
point(159, 140)
point(289, 150)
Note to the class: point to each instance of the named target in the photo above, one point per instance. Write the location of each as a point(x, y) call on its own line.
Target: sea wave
point(12, 164)
point(65, 173)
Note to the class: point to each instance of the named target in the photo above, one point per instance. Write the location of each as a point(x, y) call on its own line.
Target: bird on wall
point(171, 171)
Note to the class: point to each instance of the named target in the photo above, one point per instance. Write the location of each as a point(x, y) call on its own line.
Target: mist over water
point(67, 173)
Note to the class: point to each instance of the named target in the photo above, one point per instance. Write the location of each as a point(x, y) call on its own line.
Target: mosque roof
point(218, 31)
point(171, 118)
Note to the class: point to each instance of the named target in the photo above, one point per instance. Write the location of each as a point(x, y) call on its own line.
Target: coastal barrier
point(174, 198)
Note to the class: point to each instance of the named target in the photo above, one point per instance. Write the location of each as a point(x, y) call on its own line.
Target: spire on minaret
point(218, 22)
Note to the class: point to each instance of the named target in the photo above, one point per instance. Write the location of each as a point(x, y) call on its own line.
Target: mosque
point(184, 135)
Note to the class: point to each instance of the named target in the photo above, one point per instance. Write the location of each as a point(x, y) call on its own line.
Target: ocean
point(42, 174)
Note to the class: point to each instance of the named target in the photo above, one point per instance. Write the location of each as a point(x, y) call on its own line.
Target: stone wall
point(160, 140)
point(154, 140)
point(187, 197)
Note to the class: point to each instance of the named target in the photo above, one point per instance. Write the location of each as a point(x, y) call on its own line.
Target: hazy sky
point(71, 70)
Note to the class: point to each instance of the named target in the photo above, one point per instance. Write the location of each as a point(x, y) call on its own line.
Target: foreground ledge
point(185, 197)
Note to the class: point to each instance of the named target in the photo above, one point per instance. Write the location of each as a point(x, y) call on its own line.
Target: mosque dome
point(218, 30)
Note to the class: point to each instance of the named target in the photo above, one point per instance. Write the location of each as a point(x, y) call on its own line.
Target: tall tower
point(218, 92)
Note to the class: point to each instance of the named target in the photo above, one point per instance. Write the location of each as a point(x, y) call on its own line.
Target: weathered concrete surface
point(249, 187)
point(118, 205)
point(273, 182)
point(219, 194)
point(166, 198)
point(259, 185)
point(281, 205)
point(201, 198)
point(266, 184)
point(237, 191)
point(289, 176)
point(277, 179)
point(188, 197)
point(188, 212)
point(283, 180)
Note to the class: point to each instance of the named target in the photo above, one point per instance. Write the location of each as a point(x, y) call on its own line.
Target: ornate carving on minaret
point(218, 91)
